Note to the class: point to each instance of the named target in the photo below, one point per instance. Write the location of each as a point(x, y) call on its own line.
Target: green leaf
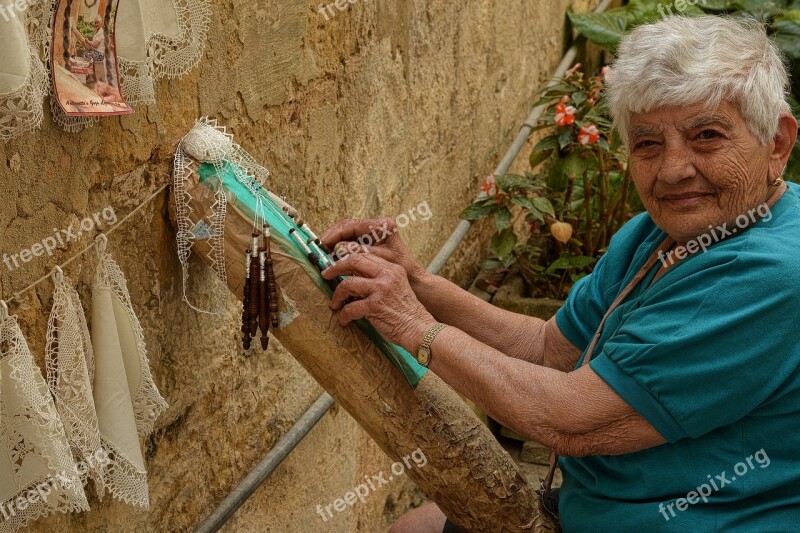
point(502, 218)
point(574, 165)
point(557, 180)
point(538, 158)
point(478, 211)
point(578, 97)
point(503, 243)
point(548, 143)
point(566, 137)
point(525, 203)
point(510, 182)
point(543, 205)
point(605, 29)
point(787, 36)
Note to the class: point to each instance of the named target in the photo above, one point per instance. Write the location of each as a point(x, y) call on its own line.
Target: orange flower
point(565, 115)
point(489, 185)
point(589, 135)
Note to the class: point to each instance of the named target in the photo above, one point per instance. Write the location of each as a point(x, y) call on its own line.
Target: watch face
point(423, 356)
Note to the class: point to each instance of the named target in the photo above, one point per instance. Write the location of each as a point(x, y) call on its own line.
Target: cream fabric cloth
point(37, 474)
point(125, 396)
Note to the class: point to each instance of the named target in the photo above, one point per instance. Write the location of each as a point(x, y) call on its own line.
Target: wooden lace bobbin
point(254, 275)
point(264, 313)
point(246, 337)
point(272, 286)
point(314, 238)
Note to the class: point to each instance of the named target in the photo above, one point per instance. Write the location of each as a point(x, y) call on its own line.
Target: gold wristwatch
point(424, 352)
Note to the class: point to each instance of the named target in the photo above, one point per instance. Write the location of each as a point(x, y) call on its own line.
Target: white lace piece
point(21, 109)
point(168, 56)
point(137, 83)
point(70, 372)
point(126, 398)
point(36, 466)
point(208, 142)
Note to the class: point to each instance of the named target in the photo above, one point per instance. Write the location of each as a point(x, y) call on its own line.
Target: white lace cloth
point(126, 399)
point(37, 474)
point(70, 371)
point(155, 39)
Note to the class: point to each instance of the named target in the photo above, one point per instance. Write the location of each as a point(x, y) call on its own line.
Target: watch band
point(427, 341)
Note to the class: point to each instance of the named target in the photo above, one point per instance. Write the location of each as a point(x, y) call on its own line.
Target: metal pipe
point(226, 509)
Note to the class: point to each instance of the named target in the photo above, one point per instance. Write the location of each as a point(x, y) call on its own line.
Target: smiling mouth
point(685, 200)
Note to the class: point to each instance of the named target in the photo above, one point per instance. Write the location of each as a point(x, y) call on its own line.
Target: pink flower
point(589, 135)
point(565, 115)
point(489, 185)
point(604, 71)
point(573, 70)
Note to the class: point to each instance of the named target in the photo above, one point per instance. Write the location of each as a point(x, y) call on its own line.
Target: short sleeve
point(710, 343)
point(590, 298)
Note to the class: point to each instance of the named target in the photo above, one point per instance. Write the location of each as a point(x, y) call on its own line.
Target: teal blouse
point(709, 354)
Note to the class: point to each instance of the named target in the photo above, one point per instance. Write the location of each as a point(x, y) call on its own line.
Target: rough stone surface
point(384, 106)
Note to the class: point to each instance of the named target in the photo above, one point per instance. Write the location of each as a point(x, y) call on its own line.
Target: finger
point(345, 248)
point(351, 287)
point(353, 311)
point(364, 265)
point(376, 230)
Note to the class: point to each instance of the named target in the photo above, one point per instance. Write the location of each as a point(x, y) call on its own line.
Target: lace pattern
point(21, 109)
point(70, 372)
point(33, 443)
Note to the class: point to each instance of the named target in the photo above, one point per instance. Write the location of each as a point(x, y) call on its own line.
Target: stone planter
point(510, 297)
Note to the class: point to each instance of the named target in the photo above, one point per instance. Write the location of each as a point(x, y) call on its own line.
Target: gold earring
point(777, 183)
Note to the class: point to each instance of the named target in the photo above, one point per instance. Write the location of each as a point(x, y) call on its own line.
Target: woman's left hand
point(384, 297)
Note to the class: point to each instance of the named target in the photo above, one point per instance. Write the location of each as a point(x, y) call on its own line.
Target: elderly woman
point(669, 383)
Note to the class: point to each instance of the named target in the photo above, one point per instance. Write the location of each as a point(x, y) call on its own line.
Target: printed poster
point(84, 64)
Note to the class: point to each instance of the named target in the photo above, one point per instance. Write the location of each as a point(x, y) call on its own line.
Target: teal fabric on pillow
point(709, 354)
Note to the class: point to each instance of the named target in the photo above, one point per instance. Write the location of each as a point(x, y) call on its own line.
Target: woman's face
point(695, 167)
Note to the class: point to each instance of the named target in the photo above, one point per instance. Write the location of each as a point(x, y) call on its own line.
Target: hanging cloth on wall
point(127, 401)
point(159, 39)
point(155, 39)
point(23, 81)
point(70, 370)
point(37, 474)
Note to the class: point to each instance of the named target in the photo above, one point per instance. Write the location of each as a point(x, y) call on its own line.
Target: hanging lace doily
point(208, 142)
point(127, 401)
point(22, 91)
point(37, 474)
point(70, 371)
point(169, 43)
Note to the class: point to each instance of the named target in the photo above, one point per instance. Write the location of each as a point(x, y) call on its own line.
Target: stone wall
point(386, 105)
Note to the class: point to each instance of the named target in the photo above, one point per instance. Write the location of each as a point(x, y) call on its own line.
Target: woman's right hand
point(379, 236)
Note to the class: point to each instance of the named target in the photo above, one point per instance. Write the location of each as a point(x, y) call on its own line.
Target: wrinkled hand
point(384, 297)
point(378, 236)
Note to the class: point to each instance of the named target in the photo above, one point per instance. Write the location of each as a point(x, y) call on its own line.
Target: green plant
point(782, 18)
point(555, 221)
